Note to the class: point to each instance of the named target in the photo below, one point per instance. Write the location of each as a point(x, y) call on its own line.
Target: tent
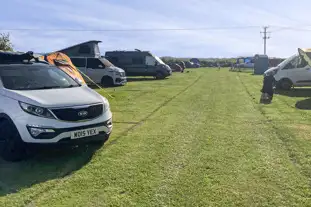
point(63, 62)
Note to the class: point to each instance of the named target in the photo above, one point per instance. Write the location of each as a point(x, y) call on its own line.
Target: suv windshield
point(35, 77)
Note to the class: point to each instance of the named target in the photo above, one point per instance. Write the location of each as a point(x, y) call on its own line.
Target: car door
point(151, 63)
point(138, 67)
point(299, 72)
point(125, 62)
point(96, 70)
point(304, 75)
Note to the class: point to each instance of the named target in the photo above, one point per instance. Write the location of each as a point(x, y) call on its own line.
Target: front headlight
point(119, 73)
point(106, 105)
point(36, 110)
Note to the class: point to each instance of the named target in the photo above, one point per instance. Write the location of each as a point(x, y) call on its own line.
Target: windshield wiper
point(71, 86)
point(43, 87)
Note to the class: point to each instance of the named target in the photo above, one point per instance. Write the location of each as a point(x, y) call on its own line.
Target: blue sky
point(143, 14)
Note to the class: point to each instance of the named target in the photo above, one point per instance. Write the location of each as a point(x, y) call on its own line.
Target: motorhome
point(139, 63)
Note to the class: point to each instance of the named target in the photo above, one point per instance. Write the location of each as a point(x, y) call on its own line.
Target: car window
point(95, 63)
point(79, 62)
point(125, 60)
point(301, 63)
point(35, 77)
point(138, 60)
point(106, 62)
point(150, 60)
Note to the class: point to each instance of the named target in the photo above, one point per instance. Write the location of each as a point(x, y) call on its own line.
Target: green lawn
point(195, 139)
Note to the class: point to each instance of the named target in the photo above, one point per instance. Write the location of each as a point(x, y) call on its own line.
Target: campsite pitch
point(195, 139)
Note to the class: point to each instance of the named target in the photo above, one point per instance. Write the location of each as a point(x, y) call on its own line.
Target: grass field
point(195, 139)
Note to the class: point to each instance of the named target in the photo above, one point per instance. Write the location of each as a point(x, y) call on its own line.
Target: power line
point(279, 28)
point(292, 29)
point(127, 30)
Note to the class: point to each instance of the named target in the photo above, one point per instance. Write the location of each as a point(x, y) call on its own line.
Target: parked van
point(43, 105)
point(86, 57)
point(294, 71)
point(139, 63)
point(100, 70)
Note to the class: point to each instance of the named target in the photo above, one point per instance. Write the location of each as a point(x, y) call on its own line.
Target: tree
point(5, 43)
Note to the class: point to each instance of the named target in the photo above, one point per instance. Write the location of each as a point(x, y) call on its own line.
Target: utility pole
point(265, 37)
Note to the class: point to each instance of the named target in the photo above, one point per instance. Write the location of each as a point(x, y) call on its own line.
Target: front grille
point(79, 114)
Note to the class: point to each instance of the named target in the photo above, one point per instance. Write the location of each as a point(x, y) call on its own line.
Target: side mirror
point(100, 66)
point(156, 63)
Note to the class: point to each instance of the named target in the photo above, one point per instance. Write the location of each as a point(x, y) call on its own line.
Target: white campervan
point(86, 56)
point(294, 71)
point(100, 70)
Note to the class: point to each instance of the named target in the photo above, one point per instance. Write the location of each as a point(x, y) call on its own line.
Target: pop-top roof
point(87, 42)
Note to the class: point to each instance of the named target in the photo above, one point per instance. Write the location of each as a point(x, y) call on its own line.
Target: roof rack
point(17, 57)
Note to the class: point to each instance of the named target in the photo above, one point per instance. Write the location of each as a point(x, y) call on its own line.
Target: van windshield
point(35, 77)
point(159, 60)
point(284, 63)
point(106, 62)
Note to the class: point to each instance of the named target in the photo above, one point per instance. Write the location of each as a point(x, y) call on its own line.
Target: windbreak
point(63, 62)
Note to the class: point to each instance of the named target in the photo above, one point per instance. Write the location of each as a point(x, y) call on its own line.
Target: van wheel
point(285, 84)
point(159, 75)
point(107, 81)
point(12, 148)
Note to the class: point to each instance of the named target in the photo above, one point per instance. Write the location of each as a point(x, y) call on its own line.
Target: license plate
point(84, 133)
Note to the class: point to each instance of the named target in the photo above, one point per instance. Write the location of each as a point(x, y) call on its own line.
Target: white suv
point(41, 104)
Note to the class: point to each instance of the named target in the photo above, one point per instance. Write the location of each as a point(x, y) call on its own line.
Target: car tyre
point(12, 148)
point(107, 81)
point(285, 84)
point(101, 142)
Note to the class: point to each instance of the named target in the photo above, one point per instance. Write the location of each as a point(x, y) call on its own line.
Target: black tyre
point(159, 75)
point(12, 148)
point(284, 84)
point(101, 142)
point(107, 81)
